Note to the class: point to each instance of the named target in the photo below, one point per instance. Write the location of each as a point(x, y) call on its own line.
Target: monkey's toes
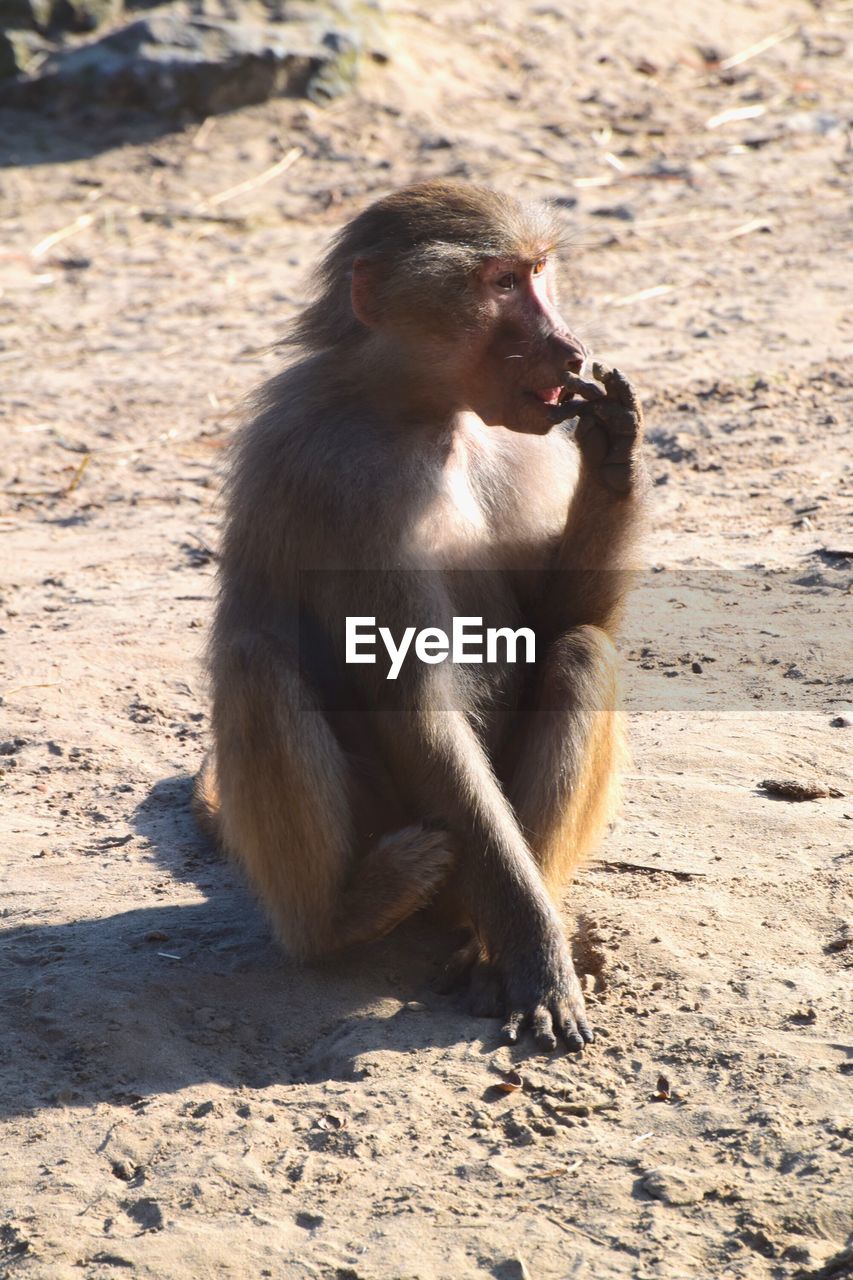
point(475, 983)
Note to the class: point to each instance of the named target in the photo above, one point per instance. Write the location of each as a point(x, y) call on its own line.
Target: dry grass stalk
point(56, 237)
point(656, 291)
point(251, 184)
point(761, 46)
point(745, 229)
point(733, 114)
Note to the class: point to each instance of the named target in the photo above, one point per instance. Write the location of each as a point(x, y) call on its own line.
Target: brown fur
point(405, 467)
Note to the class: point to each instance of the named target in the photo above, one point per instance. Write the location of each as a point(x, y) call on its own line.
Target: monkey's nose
point(570, 350)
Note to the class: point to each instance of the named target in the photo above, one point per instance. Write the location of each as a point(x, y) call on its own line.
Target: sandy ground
point(179, 1101)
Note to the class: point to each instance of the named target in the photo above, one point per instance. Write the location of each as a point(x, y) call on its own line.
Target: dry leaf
point(330, 1121)
point(510, 1081)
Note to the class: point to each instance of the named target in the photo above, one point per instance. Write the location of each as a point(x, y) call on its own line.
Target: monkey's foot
point(399, 875)
point(610, 425)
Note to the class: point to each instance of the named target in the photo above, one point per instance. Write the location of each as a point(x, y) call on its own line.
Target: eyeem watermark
point(468, 642)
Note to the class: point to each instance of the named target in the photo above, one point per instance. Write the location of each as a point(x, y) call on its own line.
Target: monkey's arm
point(496, 876)
point(438, 759)
point(592, 566)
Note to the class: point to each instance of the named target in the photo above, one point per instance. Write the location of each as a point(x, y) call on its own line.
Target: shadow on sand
point(43, 136)
point(158, 998)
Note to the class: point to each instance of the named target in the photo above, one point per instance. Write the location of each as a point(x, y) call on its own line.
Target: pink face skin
point(515, 375)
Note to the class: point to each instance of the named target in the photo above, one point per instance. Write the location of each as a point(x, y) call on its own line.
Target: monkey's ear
point(363, 292)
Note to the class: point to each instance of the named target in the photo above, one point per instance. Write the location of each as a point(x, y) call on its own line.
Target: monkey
point(415, 461)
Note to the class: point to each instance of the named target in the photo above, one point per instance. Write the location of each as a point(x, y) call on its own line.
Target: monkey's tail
point(205, 800)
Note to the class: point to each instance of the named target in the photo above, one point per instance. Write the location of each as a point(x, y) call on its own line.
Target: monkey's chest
point(457, 541)
point(452, 528)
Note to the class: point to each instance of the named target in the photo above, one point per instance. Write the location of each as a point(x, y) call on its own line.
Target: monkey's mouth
point(549, 395)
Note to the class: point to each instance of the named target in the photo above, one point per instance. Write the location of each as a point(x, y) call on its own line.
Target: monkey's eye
point(539, 267)
point(507, 281)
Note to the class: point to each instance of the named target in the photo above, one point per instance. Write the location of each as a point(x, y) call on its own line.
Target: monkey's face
point(517, 366)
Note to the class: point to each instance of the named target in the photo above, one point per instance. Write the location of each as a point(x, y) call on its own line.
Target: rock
point(167, 63)
point(675, 1186)
point(794, 789)
point(511, 1269)
point(172, 61)
point(623, 212)
point(308, 1221)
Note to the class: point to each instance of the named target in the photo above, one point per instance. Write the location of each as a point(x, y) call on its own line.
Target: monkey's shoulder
point(304, 458)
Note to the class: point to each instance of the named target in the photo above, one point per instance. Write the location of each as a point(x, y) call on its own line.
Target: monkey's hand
point(610, 426)
point(543, 993)
point(540, 993)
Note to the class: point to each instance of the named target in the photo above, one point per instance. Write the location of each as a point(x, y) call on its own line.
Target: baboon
point(414, 463)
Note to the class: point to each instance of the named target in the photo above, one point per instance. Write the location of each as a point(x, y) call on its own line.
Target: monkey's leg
point(285, 790)
point(564, 782)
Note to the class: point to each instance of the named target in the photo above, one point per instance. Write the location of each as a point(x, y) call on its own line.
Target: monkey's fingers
point(543, 1028)
point(619, 420)
point(546, 1026)
point(570, 409)
point(620, 449)
point(617, 386)
point(579, 386)
point(513, 1026)
point(574, 1028)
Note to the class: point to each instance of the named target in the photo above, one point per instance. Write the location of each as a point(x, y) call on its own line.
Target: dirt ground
point(180, 1101)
